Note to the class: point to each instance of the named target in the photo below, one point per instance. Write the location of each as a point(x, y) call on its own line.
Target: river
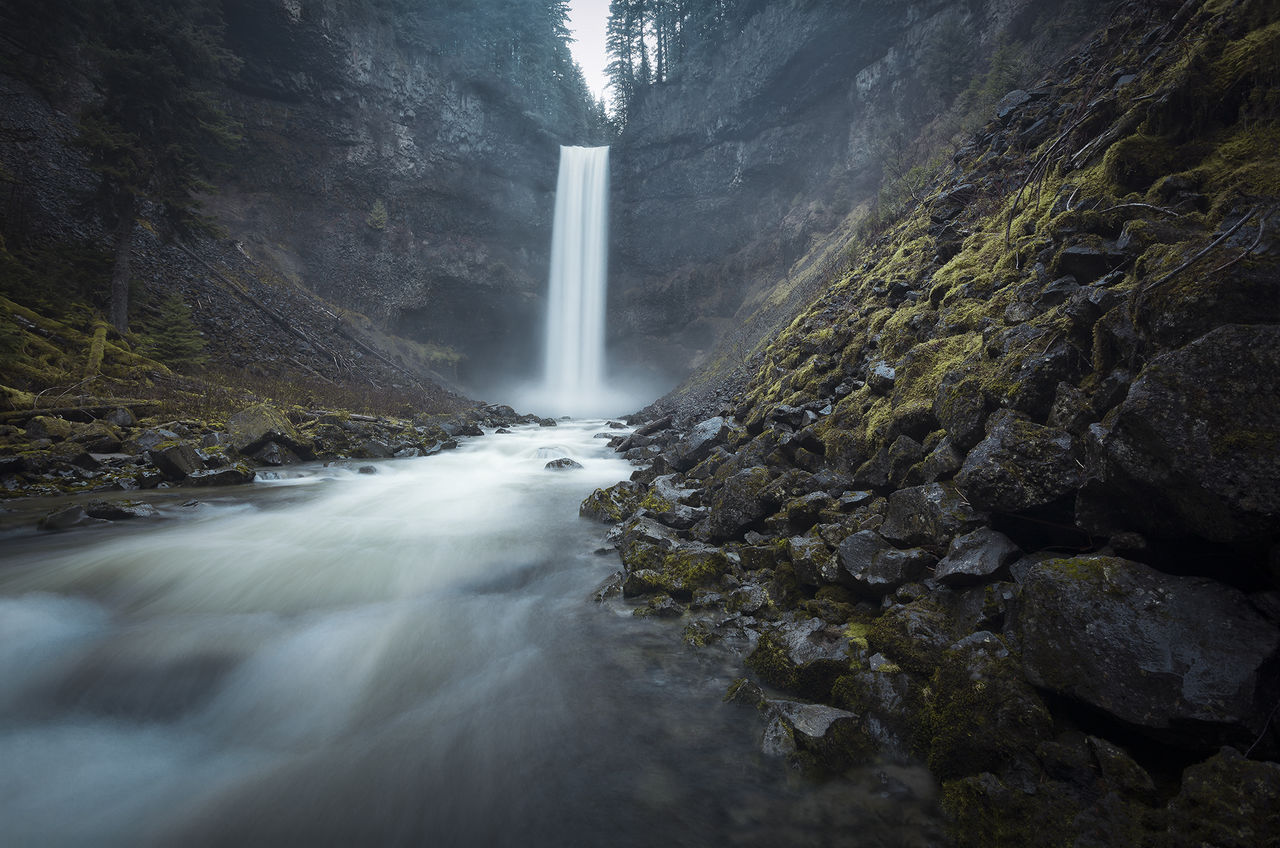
point(410, 657)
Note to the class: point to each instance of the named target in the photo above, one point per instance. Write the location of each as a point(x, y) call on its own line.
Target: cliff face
point(724, 178)
point(388, 181)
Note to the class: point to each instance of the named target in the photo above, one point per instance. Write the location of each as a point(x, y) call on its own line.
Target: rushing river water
point(407, 658)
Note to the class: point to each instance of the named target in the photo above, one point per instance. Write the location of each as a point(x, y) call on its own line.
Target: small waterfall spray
point(574, 373)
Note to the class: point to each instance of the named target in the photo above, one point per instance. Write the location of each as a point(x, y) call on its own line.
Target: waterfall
point(576, 305)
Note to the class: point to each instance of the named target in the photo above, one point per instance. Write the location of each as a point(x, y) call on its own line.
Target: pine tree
point(157, 130)
point(172, 337)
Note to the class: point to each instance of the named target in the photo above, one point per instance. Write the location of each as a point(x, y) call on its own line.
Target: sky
point(587, 19)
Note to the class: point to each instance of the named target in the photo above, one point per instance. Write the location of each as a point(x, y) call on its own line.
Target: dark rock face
point(1181, 657)
point(1196, 444)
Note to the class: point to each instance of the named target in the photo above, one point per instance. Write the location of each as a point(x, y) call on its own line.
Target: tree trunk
point(120, 271)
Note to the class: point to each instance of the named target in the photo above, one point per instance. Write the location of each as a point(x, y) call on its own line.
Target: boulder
point(1195, 446)
point(229, 476)
point(1228, 801)
point(873, 566)
point(1189, 660)
point(976, 558)
point(697, 445)
point(119, 510)
point(175, 460)
point(49, 427)
point(1020, 465)
point(928, 516)
point(983, 716)
point(914, 635)
point(812, 561)
point(563, 464)
point(674, 566)
point(612, 504)
point(66, 518)
point(826, 734)
point(251, 428)
point(739, 504)
point(804, 657)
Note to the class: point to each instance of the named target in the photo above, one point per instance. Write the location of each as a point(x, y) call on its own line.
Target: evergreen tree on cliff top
point(157, 130)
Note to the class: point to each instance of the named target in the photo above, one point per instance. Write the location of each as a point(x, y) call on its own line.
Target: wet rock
point(670, 564)
point(547, 422)
point(976, 558)
point(49, 427)
point(961, 409)
point(1012, 102)
point(881, 376)
point(941, 464)
point(812, 561)
point(563, 464)
point(748, 599)
point(928, 516)
point(273, 454)
point(229, 476)
point(697, 445)
point(804, 657)
point(682, 517)
point(739, 504)
point(119, 510)
point(250, 429)
point(904, 453)
point(1227, 801)
point(1185, 658)
point(366, 469)
point(148, 439)
point(983, 716)
point(661, 606)
point(120, 417)
point(65, 519)
point(873, 566)
point(826, 734)
point(1195, 446)
point(656, 426)
point(914, 635)
point(176, 460)
point(1019, 465)
point(612, 504)
point(375, 449)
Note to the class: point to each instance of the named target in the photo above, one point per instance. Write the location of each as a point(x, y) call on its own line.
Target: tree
point(157, 130)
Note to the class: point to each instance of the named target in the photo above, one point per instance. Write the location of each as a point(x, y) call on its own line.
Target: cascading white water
point(574, 377)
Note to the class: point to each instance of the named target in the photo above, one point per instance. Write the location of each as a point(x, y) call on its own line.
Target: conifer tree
point(157, 129)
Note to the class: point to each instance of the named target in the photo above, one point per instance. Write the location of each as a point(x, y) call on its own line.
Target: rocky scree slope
point(1004, 498)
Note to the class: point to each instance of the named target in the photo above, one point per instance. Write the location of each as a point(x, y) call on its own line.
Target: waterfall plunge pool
point(406, 658)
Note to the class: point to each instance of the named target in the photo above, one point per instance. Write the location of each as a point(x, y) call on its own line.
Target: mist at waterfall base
point(411, 657)
point(574, 380)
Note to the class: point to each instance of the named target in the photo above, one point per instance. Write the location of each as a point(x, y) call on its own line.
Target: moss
point(770, 662)
point(984, 813)
point(1135, 162)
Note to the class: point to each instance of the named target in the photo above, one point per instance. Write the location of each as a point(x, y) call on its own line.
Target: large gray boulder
point(873, 566)
point(1020, 465)
point(1195, 447)
point(1186, 658)
point(929, 515)
point(697, 445)
point(976, 557)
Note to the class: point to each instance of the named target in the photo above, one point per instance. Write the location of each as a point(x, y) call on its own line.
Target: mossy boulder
point(49, 427)
point(1019, 466)
point(929, 515)
point(612, 504)
point(1227, 801)
point(252, 428)
point(1195, 447)
point(739, 504)
point(804, 657)
point(1187, 660)
point(982, 715)
point(913, 635)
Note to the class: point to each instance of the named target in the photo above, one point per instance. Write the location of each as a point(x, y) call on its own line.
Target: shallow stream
point(410, 657)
